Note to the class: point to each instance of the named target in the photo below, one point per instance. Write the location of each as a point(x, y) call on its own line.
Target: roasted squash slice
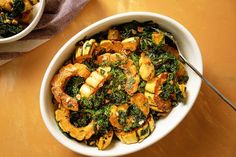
point(81, 133)
point(137, 135)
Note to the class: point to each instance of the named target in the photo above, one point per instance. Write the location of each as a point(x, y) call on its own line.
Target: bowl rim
point(84, 31)
point(29, 28)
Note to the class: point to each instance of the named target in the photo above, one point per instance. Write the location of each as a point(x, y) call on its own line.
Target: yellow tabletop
point(208, 130)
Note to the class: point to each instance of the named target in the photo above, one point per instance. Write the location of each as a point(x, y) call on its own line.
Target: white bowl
point(187, 45)
point(37, 13)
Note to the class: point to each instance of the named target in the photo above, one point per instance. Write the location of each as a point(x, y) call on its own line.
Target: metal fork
point(198, 73)
point(207, 82)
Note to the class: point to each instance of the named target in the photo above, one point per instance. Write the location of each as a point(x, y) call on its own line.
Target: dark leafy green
point(73, 85)
point(168, 90)
point(7, 29)
point(95, 101)
point(100, 36)
point(164, 62)
point(18, 7)
point(101, 117)
point(183, 79)
point(142, 85)
point(80, 118)
point(97, 106)
point(122, 117)
point(138, 118)
point(135, 58)
point(126, 29)
point(115, 87)
point(90, 63)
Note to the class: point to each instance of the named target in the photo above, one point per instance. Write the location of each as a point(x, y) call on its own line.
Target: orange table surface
point(208, 130)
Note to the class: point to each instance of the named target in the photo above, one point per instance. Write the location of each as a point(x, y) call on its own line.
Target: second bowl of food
point(18, 18)
point(119, 86)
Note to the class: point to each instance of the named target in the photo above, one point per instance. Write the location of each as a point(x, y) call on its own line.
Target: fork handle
point(209, 84)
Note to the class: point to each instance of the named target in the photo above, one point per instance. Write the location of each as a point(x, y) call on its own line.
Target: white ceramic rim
point(29, 28)
point(64, 47)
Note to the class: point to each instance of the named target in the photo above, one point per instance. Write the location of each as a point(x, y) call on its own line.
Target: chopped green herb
point(102, 72)
point(73, 85)
point(138, 118)
point(18, 7)
point(122, 117)
point(96, 107)
point(183, 79)
point(101, 116)
point(141, 87)
point(135, 58)
point(144, 131)
point(166, 90)
point(80, 119)
point(130, 82)
point(164, 62)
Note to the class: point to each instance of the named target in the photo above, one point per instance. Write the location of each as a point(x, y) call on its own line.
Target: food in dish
point(15, 15)
point(118, 83)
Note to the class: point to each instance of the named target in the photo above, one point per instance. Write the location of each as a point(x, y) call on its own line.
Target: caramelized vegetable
point(81, 133)
point(15, 15)
point(117, 83)
point(146, 69)
point(158, 38)
point(136, 135)
point(59, 80)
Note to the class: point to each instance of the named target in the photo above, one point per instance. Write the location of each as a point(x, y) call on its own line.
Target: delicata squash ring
point(137, 135)
point(59, 80)
point(118, 83)
point(63, 115)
